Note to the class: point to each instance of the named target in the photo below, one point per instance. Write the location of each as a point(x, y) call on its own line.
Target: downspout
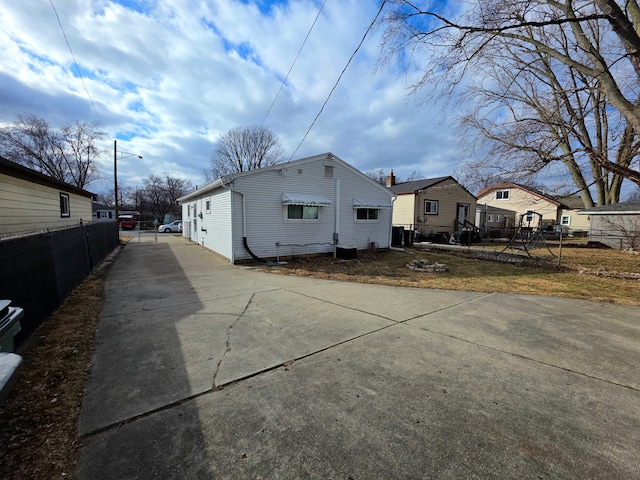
point(336, 232)
point(244, 225)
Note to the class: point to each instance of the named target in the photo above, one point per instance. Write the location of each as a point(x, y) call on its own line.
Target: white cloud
point(173, 75)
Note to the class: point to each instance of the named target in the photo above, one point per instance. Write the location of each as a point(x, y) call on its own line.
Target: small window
point(302, 212)
point(110, 214)
point(65, 209)
point(489, 218)
point(502, 195)
point(430, 207)
point(366, 214)
point(328, 171)
point(497, 218)
point(207, 204)
point(565, 220)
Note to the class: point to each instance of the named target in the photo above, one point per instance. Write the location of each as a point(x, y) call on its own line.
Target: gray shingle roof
point(632, 206)
point(415, 185)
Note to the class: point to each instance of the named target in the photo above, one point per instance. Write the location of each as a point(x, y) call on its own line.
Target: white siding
point(269, 233)
point(215, 227)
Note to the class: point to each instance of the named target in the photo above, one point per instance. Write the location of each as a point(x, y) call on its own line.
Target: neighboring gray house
point(494, 220)
point(305, 206)
point(617, 225)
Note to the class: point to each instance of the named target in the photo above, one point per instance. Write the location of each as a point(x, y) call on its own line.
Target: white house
point(103, 213)
point(305, 206)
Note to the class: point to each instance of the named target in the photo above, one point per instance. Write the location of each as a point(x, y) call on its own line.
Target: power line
point(75, 62)
point(294, 62)
point(340, 77)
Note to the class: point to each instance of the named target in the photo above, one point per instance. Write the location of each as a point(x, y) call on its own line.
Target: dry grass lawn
point(584, 273)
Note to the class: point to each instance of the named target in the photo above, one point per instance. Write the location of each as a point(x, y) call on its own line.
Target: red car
point(126, 222)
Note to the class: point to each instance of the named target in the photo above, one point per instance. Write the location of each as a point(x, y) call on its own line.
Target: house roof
point(491, 209)
point(227, 180)
point(24, 173)
point(631, 207)
point(572, 202)
point(414, 186)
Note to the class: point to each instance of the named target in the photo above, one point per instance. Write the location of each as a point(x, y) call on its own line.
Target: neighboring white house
point(31, 201)
point(103, 213)
point(617, 225)
point(300, 207)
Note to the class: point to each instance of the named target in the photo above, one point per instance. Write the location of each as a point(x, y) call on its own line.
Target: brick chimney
point(391, 179)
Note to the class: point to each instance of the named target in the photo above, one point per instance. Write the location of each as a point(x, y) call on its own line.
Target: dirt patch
point(39, 420)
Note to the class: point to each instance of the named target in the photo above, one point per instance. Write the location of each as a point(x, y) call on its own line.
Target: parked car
point(126, 222)
point(175, 226)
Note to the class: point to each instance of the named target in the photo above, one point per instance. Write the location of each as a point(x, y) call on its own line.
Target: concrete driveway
point(207, 370)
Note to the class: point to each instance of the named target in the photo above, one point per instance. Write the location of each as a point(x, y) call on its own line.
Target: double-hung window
point(65, 207)
point(430, 207)
point(502, 195)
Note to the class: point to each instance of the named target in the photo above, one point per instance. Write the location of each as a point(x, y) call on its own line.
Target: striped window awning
point(305, 199)
point(368, 203)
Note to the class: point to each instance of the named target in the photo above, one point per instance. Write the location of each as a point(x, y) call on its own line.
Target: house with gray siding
point(617, 225)
point(311, 205)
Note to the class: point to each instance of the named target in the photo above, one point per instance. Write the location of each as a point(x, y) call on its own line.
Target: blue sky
point(169, 77)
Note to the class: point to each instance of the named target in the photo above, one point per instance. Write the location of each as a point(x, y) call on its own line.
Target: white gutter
point(336, 233)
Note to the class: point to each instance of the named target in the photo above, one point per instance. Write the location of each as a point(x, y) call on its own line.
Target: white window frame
point(207, 203)
point(490, 218)
point(368, 213)
point(432, 202)
point(65, 205)
point(567, 222)
point(502, 194)
point(302, 220)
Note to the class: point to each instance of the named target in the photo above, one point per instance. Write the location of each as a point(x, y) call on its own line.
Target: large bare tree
point(598, 41)
point(242, 149)
point(68, 154)
point(160, 195)
point(530, 112)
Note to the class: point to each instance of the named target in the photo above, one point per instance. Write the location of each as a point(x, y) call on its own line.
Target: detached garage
point(617, 225)
point(312, 205)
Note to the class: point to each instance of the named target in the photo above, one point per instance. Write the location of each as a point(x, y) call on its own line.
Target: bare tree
point(458, 40)
point(377, 175)
point(242, 149)
point(531, 113)
point(159, 196)
point(68, 154)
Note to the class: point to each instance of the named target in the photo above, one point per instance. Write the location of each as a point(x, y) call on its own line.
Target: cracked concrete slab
point(317, 379)
point(276, 326)
point(399, 403)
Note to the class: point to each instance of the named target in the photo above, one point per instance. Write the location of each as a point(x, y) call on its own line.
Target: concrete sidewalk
point(207, 370)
